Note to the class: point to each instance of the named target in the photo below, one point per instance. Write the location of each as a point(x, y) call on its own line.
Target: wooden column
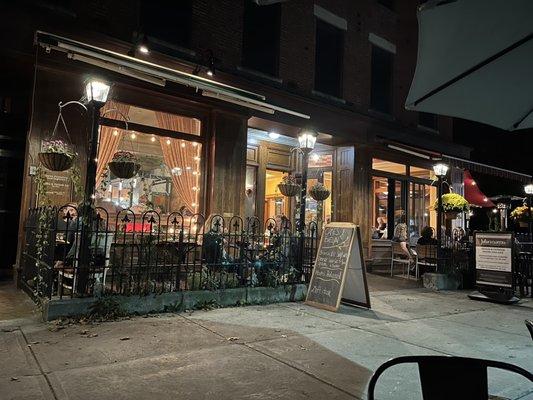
point(343, 187)
point(228, 164)
point(362, 194)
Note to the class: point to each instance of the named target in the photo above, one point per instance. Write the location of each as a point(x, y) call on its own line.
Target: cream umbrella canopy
point(475, 61)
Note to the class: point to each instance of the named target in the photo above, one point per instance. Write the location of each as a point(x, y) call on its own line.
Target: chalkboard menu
point(339, 260)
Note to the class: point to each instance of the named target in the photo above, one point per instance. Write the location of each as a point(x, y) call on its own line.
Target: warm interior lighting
point(168, 142)
point(182, 144)
point(315, 157)
point(96, 90)
point(194, 144)
point(440, 169)
point(528, 188)
point(273, 135)
point(115, 133)
point(152, 138)
point(133, 135)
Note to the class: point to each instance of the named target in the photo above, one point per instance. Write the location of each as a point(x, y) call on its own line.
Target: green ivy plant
point(45, 220)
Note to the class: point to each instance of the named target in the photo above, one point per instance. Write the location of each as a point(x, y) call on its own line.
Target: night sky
point(493, 146)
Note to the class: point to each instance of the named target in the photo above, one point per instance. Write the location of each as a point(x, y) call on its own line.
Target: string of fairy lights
point(192, 166)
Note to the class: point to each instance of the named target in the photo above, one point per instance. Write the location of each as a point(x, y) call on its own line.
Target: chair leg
point(391, 265)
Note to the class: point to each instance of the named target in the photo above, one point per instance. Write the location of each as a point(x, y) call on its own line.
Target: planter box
point(436, 281)
point(178, 301)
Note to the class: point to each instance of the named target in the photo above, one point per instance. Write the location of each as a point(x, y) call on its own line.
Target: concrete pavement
point(282, 351)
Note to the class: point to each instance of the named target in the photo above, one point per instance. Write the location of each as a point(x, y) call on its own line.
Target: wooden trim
point(151, 130)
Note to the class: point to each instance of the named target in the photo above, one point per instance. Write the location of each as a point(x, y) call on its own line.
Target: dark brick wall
point(217, 26)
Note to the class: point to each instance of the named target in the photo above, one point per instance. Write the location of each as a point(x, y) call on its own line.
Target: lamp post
point(306, 141)
point(96, 92)
point(529, 192)
point(440, 171)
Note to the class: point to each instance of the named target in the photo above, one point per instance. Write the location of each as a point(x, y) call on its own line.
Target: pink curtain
point(181, 154)
point(108, 143)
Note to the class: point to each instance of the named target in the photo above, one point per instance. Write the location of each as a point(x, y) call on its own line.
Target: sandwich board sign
point(339, 273)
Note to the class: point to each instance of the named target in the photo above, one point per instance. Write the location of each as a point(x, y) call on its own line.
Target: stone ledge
point(436, 281)
point(178, 301)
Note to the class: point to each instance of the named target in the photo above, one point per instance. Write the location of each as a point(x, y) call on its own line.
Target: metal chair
point(529, 324)
point(398, 256)
point(445, 378)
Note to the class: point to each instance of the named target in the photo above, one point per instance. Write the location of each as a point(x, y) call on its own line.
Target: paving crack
point(41, 370)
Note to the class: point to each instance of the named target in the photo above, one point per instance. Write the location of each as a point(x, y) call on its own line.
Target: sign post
point(494, 257)
point(339, 273)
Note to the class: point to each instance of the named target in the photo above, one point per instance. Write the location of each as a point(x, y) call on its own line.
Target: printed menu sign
point(58, 187)
point(339, 260)
point(494, 258)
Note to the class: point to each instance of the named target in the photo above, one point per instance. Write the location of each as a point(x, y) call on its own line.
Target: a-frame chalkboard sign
point(339, 273)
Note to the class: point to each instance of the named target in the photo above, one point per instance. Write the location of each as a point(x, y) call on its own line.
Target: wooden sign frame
point(350, 260)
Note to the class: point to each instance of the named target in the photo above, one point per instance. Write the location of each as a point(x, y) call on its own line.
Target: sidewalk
point(282, 351)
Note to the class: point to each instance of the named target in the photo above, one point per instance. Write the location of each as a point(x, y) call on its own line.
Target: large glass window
point(381, 80)
point(261, 27)
point(169, 169)
point(411, 196)
point(328, 58)
point(276, 205)
point(388, 166)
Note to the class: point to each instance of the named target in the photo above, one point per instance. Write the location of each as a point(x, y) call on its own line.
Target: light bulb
point(194, 144)
point(133, 135)
point(115, 133)
point(196, 158)
point(168, 141)
point(182, 144)
point(152, 138)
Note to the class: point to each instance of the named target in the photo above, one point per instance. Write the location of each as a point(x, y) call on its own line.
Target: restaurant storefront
point(209, 159)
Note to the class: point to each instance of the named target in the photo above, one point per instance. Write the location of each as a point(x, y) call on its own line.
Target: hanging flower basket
point(319, 192)
point(452, 205)
point(288, 186)
point(451, 214)
point(521, 215)
point(56, 155)
point(124, 165)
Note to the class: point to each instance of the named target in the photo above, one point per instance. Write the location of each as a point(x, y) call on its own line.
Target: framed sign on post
point(494, 261)
point(339, 273)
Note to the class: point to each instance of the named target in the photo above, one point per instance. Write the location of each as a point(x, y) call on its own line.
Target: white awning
point(156, 74)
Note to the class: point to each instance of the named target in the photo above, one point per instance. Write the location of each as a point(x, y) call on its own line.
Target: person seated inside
point(401, 236)
point(380, 232)
point(426, 236)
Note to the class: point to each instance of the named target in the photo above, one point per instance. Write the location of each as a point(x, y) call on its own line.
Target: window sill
point(427, 129)
point(257, 74)
point(170, 46)
point(381, 115)
point(328, 97)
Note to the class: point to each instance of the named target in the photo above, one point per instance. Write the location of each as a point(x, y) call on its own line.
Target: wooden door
point(343, 188)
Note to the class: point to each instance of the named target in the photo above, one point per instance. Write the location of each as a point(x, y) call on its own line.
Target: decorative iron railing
point(128, 253)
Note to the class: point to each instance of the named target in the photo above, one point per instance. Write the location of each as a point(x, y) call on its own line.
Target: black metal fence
point(67, 254)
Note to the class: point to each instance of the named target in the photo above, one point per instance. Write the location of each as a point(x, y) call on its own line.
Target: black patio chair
point(529, 324)
point(445, 378)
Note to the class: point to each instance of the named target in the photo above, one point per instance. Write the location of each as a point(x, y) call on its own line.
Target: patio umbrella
point(473, 194)
point(474, 61)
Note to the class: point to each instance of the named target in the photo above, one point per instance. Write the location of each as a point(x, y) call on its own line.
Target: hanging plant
point(452, 205)
point(522, 215)
point(124, 165)
point(288, 186)
point(319, 192)
point(56, 155)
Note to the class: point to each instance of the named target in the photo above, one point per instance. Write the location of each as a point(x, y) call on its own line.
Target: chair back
point(397, 249)
point(444, 378)
point(426, 251)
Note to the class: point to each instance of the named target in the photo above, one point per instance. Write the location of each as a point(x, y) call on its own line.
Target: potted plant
point(124, 165)
point(521, 215)
point(319, 192)
point(452, 204)
point(56, 155)
point(288, 186)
